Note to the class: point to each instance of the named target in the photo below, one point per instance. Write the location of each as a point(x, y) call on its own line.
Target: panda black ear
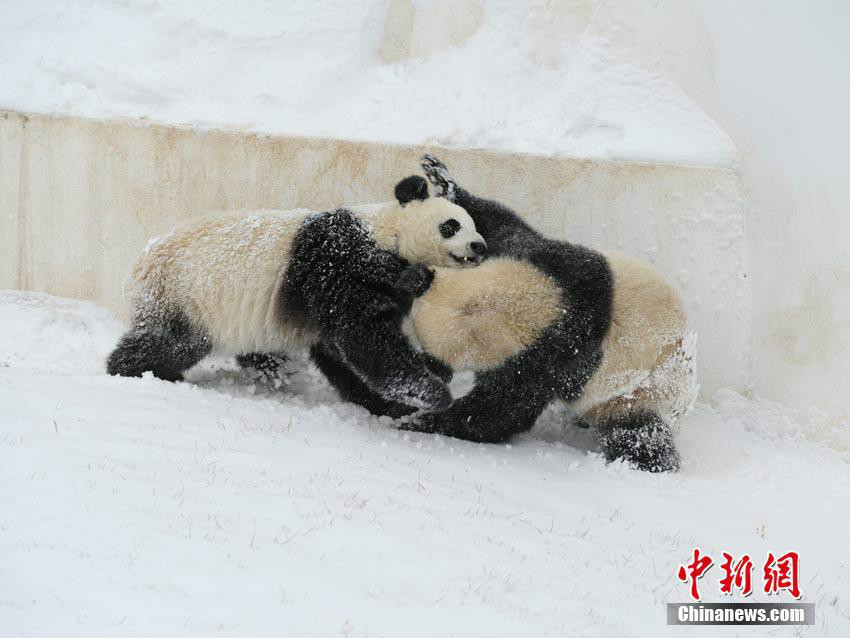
point(410, 188)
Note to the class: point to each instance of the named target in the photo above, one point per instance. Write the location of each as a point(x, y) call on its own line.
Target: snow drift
point(220, 505)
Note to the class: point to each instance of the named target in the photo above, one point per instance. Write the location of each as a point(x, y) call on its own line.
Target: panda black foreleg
point(486, 415)
point(504, 402)
point(639, 437)
point(507, 400)
point(355, 296)
point(165, 347)
point(350, 387)
point(380, 355)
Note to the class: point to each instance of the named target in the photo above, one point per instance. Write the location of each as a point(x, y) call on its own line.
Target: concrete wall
point(79, 199)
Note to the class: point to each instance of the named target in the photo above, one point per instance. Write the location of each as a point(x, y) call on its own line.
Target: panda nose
point(478, 247)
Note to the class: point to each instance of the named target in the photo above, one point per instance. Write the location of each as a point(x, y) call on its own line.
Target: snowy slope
point(533, 78)
point(222, 507)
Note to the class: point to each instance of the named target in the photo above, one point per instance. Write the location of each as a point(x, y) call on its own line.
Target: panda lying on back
point(268, 281)
point(600, 330)
point(543, 320)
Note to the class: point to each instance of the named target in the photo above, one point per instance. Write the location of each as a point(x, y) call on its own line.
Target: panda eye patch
point(449, 228)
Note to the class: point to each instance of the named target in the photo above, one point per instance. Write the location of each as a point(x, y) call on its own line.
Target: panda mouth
point(467, 262)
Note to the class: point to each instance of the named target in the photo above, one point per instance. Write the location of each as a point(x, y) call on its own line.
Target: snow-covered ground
point(312, 68)
point(222, 506)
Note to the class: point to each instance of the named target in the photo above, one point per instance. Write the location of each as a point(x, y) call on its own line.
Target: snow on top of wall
point(531, 78)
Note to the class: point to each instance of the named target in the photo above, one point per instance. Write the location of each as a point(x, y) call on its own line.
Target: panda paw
point(428, 393)
point(415, 279)
point(641, 439)
point(423, 423)
point(268, 368)
point(456, 424)
point(438, 175)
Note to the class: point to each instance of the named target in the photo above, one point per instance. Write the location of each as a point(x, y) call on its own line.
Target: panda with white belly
point(340, 282)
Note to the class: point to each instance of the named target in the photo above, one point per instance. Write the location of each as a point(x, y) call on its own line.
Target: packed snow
point(224, 505)
point(533, 77)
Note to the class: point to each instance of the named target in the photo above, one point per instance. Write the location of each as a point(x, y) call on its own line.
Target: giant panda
point(269, 281)
point(544, 320)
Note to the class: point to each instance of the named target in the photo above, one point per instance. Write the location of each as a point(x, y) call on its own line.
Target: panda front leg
point(350, 387)
point(165, 346)
point(439, 176)
point(383, 358)
point(641, 438)
point(504, 402)
point(372, 346)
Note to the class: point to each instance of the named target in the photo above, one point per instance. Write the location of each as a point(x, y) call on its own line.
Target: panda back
point(224, 272)
point(476, 318)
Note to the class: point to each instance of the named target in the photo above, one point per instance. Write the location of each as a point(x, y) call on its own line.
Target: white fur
point(413, 231)
point(476, 319)
point(649, 357)
point(225, 272)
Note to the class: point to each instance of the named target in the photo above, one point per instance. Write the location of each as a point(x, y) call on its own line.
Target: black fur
point(641, 438)
point(350, 387)
point(355, 295)
point(266, 363)
point(268, 367)
point(410, 188)
point(508, 399)
point(443, 371)
point(449, 228)
point(415, 279)
point(165, 346)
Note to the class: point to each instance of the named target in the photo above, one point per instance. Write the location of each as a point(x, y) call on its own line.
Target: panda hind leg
point(639, 437)
point(269, 366)
point(167, 347)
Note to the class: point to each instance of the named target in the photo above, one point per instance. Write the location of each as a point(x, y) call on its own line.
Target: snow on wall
point(534, 76)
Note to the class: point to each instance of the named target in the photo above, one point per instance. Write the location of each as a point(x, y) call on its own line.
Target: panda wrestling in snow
point(339, 282)
point(544, 320)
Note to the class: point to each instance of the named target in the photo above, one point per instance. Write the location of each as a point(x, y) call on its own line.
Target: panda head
point(433, 230)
